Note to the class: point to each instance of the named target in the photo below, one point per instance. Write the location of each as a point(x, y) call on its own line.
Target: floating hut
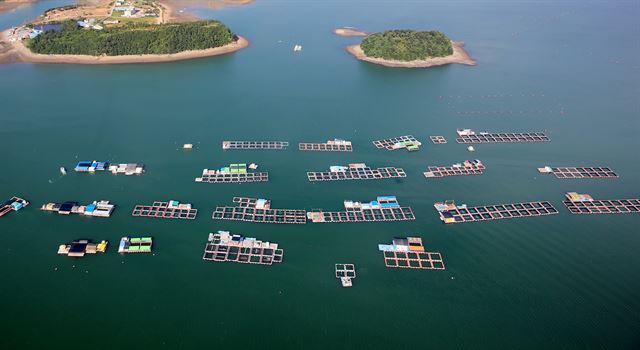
point(101, 208)
point(259, 210)
point(579, 172)
point(12, 204)
point(450, 213)
point(468, 167)
point(470, 136)
point(346, 273)
point(407, 142)
point(356, 171)
point(585, 204)
point(166, 210)
point(385, 208)
point(409, 253)
point(91, 166)
point(335, 145)
point(255, 144)
point(135, 245)
point(225, 246)
point(80, 247)
point(234, 173)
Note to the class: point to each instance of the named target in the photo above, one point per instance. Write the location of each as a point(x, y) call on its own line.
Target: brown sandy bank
point(459, 56)
point(349, 31)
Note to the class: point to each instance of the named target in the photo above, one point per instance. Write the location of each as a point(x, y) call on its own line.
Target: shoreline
point(11, 5)
point(17, 52)
point(459, 56)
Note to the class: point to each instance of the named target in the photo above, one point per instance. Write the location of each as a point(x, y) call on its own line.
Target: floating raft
point(234, 173)
point(254, 144)
point(438, 140)
point(87, 166)
point(468, 167)
point(409, 253)
point(579, 172)
point(127, 168)
point(451, 214)
point(357, 171)
point(259, 210)
point(13, 204)
point(166, 210)
point(385, 208)
point(408, 141)
point(470, 136)
point(335, 145)
point(585, 204)
point(102, 209)
point(135, 245)
point(223, 246)
point(345, 273)
point(80, 247)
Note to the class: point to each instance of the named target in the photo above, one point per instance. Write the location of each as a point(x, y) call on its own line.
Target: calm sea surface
point(570, 68)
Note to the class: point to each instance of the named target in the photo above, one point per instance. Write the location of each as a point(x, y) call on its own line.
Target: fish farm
point(224, 246)
point(254, 144)
point(584, 204)
point(407, 142)
point(345, 273)
point(579, 172)
point(450, 213)
point(234, 173)
point(80, 247)
point(13, 204)
point(135, 245)
point(385, 208)
point(260, 211)
point(470, 136)
point(409, 253)
point(91, 166)
point(438, 140)
point(356, 171)
point(166, 210)
point(335, 145)
point(468, 167)
point(102, 209)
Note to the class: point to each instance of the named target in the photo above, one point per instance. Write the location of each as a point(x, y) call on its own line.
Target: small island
point(349, 31)
point(410, 49)
point(135, 31)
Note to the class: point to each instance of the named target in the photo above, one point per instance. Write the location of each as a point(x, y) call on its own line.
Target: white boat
point(297, 48)
point(471, 149)
point(63, 171)
point(253, 166)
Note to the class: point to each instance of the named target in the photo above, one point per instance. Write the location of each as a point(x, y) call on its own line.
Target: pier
point(385, 208)
point(255, 144)
point(438, 140)
point(234, 173)
point(260, 211)
point(166, 210)
point(468, 167)
point(226, 247)
point(407, 142)
point(469, 136)
point(409, 253)
point(584, 204)
point(345, 273)
point(102, 209)
point(579, 172)
point(80, 247)
point(135, 245)
point(451, 214)
point(356, 171)
point(335, 145)
point(13, 204)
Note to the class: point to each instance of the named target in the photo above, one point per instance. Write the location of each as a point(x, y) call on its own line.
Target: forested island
point(410, 48)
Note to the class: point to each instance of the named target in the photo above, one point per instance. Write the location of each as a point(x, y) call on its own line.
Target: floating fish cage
point(234, 173)
point(438, 140)
point(407, 142)
point(469, 167)
point(469, 136)
point(255, 144)
point(385, 208)
point(101, 208)
point(226, 247)
point(409, 253)
point(451, 214)
point(135, 245)
point(260, 211)
point(585, 204)
point(580, 172)
point(335, 145)
point(166, 210)
point(358, 171)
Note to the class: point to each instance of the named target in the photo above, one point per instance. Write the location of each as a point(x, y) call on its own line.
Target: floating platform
point(224, 246)
point(255, 144)
point(13, 204)
point(407, 142)
point(438, 140)
point(469, 136)
point(579, 172)
point(87, 166)
point(166, 210)
point(135, 245)
point(585, 204)
point(356, 171)
point(385, 208)
point(451, 214)
point(102, 209)
point(80, 247)
point(409, 253)
point(127, 168)
point(468, 167)
point(259, 210)
point(234, 173)
point(345, 273)
point(335, 145)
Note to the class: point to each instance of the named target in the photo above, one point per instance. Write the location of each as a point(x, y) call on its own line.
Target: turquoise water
point(559, 282)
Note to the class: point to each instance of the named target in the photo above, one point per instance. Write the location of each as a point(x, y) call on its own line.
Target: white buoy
point(471, 149)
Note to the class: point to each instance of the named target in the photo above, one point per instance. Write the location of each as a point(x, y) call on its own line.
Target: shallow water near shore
point(557, 282)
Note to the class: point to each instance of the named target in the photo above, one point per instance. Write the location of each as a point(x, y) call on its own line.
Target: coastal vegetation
point(132, 39)
point(407, 45)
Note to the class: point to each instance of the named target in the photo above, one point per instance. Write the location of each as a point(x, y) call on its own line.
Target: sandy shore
point(459, 56)
point(16, 52)
point(350, 31)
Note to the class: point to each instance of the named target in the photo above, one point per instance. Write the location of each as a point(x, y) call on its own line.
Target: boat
point(471, 149)
point(346, 282)
point(253, 166)
point(297, 48)
point(63, 171)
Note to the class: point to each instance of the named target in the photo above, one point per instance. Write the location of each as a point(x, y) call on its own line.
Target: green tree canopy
point(407, 45)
